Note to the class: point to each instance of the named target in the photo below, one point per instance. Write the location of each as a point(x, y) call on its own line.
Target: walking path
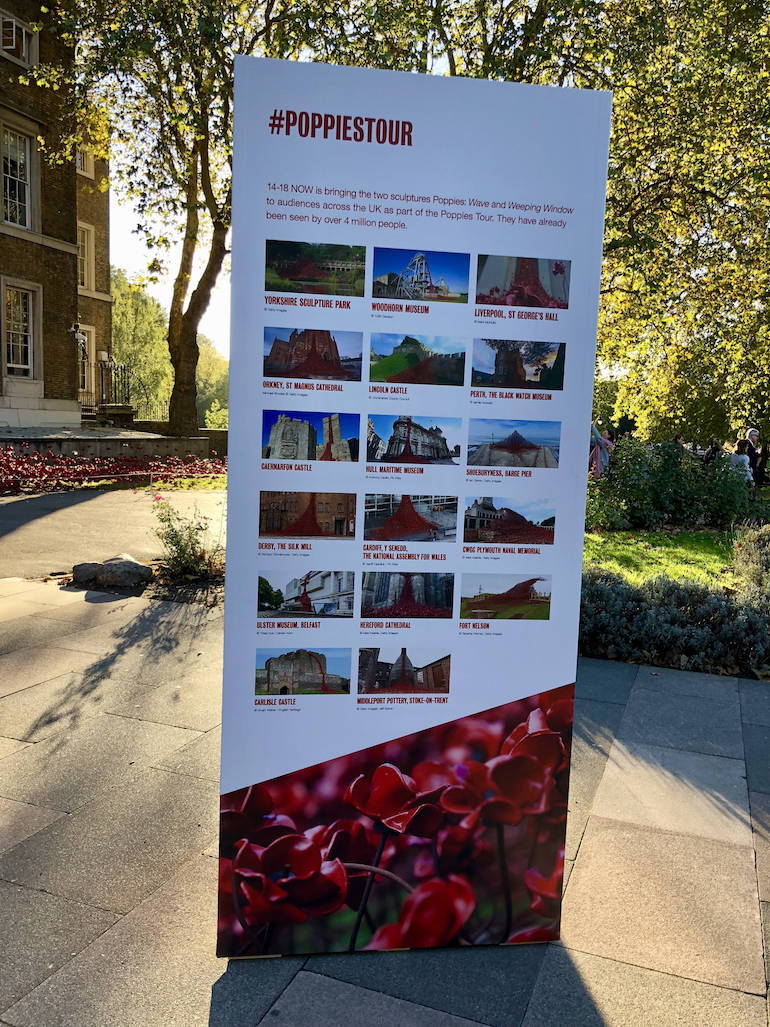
point(109, 738)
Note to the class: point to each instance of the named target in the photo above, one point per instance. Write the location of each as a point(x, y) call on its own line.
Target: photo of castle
point(309, 435)
point(325, 269)
point(413, 440)
point(505, 597)
point(330, 515)
point(398, 671)
point(523, 281)
point(421, 275)
point(402, 518)
point(492, 519)
point(395, 594)
point(417, 359)
point(515, 364)
point(313, 354)
point(303, 672)
point(493, 443)
point(314, 594)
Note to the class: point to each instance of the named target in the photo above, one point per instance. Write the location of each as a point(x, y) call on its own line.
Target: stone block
point(122, 571)
point(683, 792)
point(38, 934)
point(122, 845)
point(680, 905)
point(579, 990)
point(682, 722)
point(310, 999)
point(157, 968)
point(85, 573)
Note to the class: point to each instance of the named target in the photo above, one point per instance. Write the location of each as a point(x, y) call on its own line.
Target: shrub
point(647, 487)
point(675, 624)
point(751, 556)
point(185, 542)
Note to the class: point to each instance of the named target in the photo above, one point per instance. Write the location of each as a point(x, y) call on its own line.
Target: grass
point(703, 556)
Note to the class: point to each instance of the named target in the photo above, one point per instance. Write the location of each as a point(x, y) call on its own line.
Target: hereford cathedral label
point(414, 312)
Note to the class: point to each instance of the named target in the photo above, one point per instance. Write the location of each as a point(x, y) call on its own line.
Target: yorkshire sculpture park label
point(415, 287)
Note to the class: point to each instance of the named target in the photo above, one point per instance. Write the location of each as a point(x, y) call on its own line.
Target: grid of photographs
point(395, 440)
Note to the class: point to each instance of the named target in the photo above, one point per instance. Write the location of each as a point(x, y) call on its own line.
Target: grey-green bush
point(675, 624)
point(751, 555)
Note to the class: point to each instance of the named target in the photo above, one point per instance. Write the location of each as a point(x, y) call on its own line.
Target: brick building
point(54, 243)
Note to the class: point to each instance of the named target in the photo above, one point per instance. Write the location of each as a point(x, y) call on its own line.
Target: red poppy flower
point(473, 739)
point(546, 891)
point(394, 800)
point(247, 813)
point(534, 738)
point(287, 881)
point(430, 917)
point(351, 842)
point(458, 849)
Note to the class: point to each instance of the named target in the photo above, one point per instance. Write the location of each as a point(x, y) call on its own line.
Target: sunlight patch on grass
point(704, 556)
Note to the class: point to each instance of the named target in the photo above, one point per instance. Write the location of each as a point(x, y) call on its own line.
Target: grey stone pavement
point(48, 533)
point(109, 745)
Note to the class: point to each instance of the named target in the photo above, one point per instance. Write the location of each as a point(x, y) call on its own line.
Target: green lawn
point(704, 556)
point(391, 365)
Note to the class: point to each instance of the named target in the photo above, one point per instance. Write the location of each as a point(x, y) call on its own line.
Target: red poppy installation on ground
point(451, 836)
point(403, 522)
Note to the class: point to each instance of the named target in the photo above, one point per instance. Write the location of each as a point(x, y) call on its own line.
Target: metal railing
point(105, 383)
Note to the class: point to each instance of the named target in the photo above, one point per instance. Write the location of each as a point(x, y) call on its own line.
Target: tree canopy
point(139, 333)
point(684, 313)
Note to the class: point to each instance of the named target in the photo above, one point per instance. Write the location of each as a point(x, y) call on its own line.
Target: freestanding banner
point(415, 285)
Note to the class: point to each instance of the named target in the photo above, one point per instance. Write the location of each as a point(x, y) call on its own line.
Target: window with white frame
point(19, 331)
point(86, 266)
point(17, 41)
point(84, 162)
point(17, 177)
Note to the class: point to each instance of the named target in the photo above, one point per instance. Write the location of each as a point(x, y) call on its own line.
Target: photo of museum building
point(307, 514)
point(315, 594)
point(418, 670)
point(302, 672)
point(411, 441)
point(518, 364)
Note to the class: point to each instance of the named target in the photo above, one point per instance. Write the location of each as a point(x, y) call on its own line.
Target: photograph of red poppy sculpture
point(453, 836)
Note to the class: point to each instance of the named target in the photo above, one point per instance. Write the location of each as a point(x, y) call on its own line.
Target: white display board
point(415, 283)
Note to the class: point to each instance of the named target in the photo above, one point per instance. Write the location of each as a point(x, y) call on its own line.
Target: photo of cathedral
point(396, 594)
point(313, 354)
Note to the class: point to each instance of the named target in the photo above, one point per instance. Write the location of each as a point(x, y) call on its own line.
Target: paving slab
point(579, 990)
point(684, 792)
point(756, 740)
point(101, 608)
point(40, 663)
point(23, 632)
point(122, 845)
point(682, 722)
point(58, 595)
point(20, 820)
point(15, 606)
point(38, 934)
point(74, 765)
point(187, 703)
point(15, 586)
point(594, 730)
point(157, 968)
point(688, 682)
point(760, 821)
point(755, 702)
point(441, 978)
point(604, 680)
point(41, 710)
point(678, 904)
point(160, 626)
point(199, 758)
point(9, 745)
point(315, 1001)
point(764, 912)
